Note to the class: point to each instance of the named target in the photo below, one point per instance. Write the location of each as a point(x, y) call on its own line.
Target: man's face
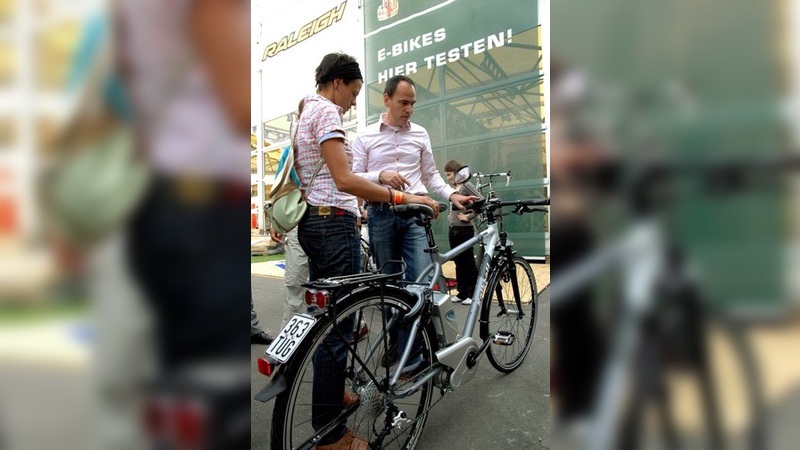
point(401, 104)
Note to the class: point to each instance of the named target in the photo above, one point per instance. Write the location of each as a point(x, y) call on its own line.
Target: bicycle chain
point(447, 391)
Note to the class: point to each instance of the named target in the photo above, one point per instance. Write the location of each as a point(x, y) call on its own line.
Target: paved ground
point(493, 411)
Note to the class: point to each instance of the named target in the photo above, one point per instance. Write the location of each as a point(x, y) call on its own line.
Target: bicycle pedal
point(503, 338)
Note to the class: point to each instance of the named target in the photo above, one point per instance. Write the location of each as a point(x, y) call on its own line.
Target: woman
point(328, 232)
point(461, 230)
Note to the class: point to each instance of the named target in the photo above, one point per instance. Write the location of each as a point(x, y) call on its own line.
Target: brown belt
point(327, 211)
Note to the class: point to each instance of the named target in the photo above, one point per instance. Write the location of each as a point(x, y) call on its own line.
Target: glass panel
point(521, 56)
point(524, 156)
point(498, 110)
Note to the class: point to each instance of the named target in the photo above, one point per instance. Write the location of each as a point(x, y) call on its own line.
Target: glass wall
point(477, 67)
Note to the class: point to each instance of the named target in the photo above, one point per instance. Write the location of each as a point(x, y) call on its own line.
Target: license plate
point(290, 337)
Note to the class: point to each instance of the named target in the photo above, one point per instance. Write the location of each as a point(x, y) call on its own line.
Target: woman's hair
point(337, 65)
point(452, 166)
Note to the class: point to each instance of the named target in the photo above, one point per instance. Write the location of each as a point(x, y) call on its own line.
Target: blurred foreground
point(102, 347)
point(675, 301)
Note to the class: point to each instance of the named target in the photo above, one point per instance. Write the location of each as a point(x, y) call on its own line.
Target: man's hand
point(460, 201)
point(463, 217)
point(393, 179)
point(275, 236)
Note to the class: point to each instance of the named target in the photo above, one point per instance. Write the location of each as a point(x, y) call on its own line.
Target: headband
point(346, 71)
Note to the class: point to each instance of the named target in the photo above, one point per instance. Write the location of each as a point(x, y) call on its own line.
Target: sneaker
point(467, 301)
point(456, 299)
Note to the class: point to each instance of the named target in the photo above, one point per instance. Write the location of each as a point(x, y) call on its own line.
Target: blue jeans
point(394, 238)
point(332, 246)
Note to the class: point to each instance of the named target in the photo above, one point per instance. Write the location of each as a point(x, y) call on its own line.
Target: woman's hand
point(423, 200)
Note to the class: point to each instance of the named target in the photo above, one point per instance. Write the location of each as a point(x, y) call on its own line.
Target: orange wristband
point(398, 197)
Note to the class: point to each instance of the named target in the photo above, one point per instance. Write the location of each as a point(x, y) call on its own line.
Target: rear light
point(176, 423)
point(264, 367)
point(321, 299)
point(190, 425)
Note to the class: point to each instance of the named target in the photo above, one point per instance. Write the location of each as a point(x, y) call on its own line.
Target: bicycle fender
point(276, 385)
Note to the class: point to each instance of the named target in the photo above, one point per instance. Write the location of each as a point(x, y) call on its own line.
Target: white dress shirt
point(405, 150)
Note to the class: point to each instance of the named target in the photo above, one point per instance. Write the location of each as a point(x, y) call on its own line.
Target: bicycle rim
point(503, 316)
point(292, 425)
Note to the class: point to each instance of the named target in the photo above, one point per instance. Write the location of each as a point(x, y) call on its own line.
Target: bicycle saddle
point(410, 210)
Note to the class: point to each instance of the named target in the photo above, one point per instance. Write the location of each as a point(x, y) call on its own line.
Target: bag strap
point(319, 164)
point(316, 171)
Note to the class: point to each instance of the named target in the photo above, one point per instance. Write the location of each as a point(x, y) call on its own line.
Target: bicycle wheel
point(372, 417)
point(697, 387)
point(367, 261)
point(508, 316)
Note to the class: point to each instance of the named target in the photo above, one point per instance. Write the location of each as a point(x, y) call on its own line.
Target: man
point(397, 153)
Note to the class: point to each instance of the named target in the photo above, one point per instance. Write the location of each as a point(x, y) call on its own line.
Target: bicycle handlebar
point(492, 175)
point(521, 206)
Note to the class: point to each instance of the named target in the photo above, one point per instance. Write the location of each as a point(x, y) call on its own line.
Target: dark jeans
point(578, 339)
point(186, 250)
point(395, 238)
point(186, 253)
point(332, 245)
point(466, 270)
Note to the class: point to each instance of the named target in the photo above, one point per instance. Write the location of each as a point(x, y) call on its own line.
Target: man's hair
point(391, 85)
point(337, 66)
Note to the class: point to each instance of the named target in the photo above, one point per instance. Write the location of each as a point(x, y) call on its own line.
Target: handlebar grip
point(536, 202)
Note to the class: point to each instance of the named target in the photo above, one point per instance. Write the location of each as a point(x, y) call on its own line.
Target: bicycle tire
point(708, 396)
point(291, 422)
point(367, 261)
point(504, 313)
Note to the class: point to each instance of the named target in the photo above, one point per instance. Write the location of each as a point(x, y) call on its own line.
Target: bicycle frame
point(640, 255)
point(455, 355)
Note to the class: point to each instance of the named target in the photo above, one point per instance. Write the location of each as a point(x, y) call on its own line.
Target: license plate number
point(290, 337)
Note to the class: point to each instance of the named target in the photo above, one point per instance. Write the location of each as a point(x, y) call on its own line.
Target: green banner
point(426, 34)
point(477, 69)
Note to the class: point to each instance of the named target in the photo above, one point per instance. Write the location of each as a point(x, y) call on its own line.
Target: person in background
point(257, 335)
point(328, 231)
point(296, 272)
point(187, 67)
point(462, 230)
